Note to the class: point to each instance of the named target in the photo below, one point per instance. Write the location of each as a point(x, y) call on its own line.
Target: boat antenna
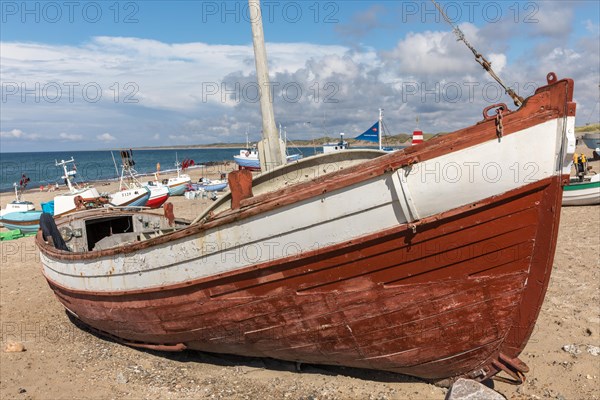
point(460, 36)
point(115, 162)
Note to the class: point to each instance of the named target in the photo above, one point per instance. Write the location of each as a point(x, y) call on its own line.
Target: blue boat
point(248, 159)
point(209, 186)
point(26, 221)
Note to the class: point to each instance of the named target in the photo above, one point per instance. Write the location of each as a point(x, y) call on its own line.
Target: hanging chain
point(499, 124)
point(518, 100)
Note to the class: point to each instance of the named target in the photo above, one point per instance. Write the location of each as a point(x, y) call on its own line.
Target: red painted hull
point(445, 301)
point(157, 202)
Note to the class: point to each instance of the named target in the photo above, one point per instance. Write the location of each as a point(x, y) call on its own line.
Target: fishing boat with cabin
point(78, 198)
point(131, 193)
point(375, 263)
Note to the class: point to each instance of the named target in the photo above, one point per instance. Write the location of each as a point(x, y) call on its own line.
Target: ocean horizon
point(98, 165)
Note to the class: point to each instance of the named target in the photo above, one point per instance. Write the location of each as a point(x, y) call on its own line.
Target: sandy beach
point(65, 361)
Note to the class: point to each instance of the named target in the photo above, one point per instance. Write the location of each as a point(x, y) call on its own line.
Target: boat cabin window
point(99, 229)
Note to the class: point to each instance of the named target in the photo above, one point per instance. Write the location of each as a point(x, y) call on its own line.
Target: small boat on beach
point(78, 198)
point(209, 185)
point(20, 214)
point(358, 258)
point(177, 185)
point(28, 221)
point(18, 204)
point(131, 193)
point(582, 193)
point(248, 158)
point(159, 194)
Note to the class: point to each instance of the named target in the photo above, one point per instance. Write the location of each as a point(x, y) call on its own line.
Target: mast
point(247, 140)
point(64, 163)
point(380, 126)
point(17, 197)
point(270, 148)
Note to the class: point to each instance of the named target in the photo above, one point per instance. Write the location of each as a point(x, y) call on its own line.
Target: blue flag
point(371, 134)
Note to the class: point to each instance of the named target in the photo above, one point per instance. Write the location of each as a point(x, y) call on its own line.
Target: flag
point(371, 134)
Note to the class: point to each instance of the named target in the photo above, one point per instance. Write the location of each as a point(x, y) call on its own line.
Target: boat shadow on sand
point(271, 364)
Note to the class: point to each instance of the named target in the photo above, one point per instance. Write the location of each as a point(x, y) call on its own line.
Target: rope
point(518, 100)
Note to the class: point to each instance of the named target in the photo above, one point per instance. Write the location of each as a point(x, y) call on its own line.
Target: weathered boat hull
point(442, 302)
point(410, 262)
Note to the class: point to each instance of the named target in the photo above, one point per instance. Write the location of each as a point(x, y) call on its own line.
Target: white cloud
point(70, 136)
point(106, 137)
point(170, 84)
point(433, 53)
point(156, 74)
point(19, 134)
point(15, 133)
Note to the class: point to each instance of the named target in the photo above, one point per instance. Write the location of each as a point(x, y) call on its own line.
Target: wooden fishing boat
point(432, 261)
point(363, 266)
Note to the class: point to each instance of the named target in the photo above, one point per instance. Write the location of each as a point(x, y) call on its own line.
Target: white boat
point(333, 147)
point(78, 198)
point(159, 194)
point(20, 214)
point(131, 193)
point(248, 158)
point(177, 185)
point(582, 193)
point(18, 204)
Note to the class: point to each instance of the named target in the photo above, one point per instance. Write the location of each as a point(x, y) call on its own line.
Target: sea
point(41, 169)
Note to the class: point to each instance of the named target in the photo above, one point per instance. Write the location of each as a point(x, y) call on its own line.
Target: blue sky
point(87, 75)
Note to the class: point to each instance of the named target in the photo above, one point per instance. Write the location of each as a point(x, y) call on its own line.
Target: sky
point(84, 75)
